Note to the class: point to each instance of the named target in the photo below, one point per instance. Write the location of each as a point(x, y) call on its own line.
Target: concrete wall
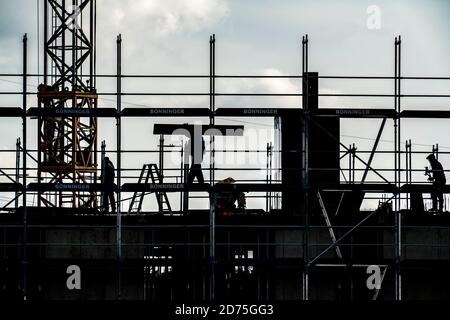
point(94, 251)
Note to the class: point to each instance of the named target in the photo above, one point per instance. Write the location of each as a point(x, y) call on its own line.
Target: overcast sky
point(252, 37)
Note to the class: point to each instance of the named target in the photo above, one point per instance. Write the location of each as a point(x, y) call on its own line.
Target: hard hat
point(227, 180)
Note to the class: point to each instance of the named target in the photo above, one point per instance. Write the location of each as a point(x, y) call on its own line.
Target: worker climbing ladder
point(150, 173)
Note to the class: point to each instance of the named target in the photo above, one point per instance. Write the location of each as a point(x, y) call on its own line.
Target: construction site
point(306, 222)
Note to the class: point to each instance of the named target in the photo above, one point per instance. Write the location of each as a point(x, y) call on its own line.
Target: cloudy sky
point(254, 37)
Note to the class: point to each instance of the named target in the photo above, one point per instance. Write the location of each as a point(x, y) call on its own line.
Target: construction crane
point(67, 129)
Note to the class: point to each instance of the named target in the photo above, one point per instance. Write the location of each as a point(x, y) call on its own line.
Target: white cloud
point(277, 85)
point(161, 18)
point(156, 34)
point(4, 59)
point(329, 101)
point(271, 86)
point(260, 85)
point(7, 160)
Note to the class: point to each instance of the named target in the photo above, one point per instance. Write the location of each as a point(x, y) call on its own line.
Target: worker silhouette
point(108, 184)
point(52, 126)
point(437, 176)
point(197, 151)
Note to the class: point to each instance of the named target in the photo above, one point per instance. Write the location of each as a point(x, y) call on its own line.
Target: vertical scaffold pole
point(267, 175)
point(18, 147)
point(212, 211)
point(212, 100)
point(24, 171)
point(161, 171)
point(305, 167)
point(119, 165)
point(398, 227)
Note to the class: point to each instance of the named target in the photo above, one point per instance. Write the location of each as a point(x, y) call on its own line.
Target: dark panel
point(291, 161)
point(324, 151)
point(313, 88)
point(323, 155)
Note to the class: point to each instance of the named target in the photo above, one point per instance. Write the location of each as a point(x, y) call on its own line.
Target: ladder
point(149, 173)
point(330, 227)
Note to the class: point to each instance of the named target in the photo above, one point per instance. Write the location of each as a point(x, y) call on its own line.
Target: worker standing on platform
point(108, 183)
point(197, 151)
point(439, 181)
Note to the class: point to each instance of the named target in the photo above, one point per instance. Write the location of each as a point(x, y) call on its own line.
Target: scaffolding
point(202, 235)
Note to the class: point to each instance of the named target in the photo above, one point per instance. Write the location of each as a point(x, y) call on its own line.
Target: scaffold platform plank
point(422, 188)
point(356, 113)
point(72, 112)
point(178, 187)
point(10, 112)
point(166, 112)
point(166, 187)
point(251, 187)
point(360, 187)
point(88, 187)
point(8, 187)
point(430, 114)
point(188, 129)
point(73, 94)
